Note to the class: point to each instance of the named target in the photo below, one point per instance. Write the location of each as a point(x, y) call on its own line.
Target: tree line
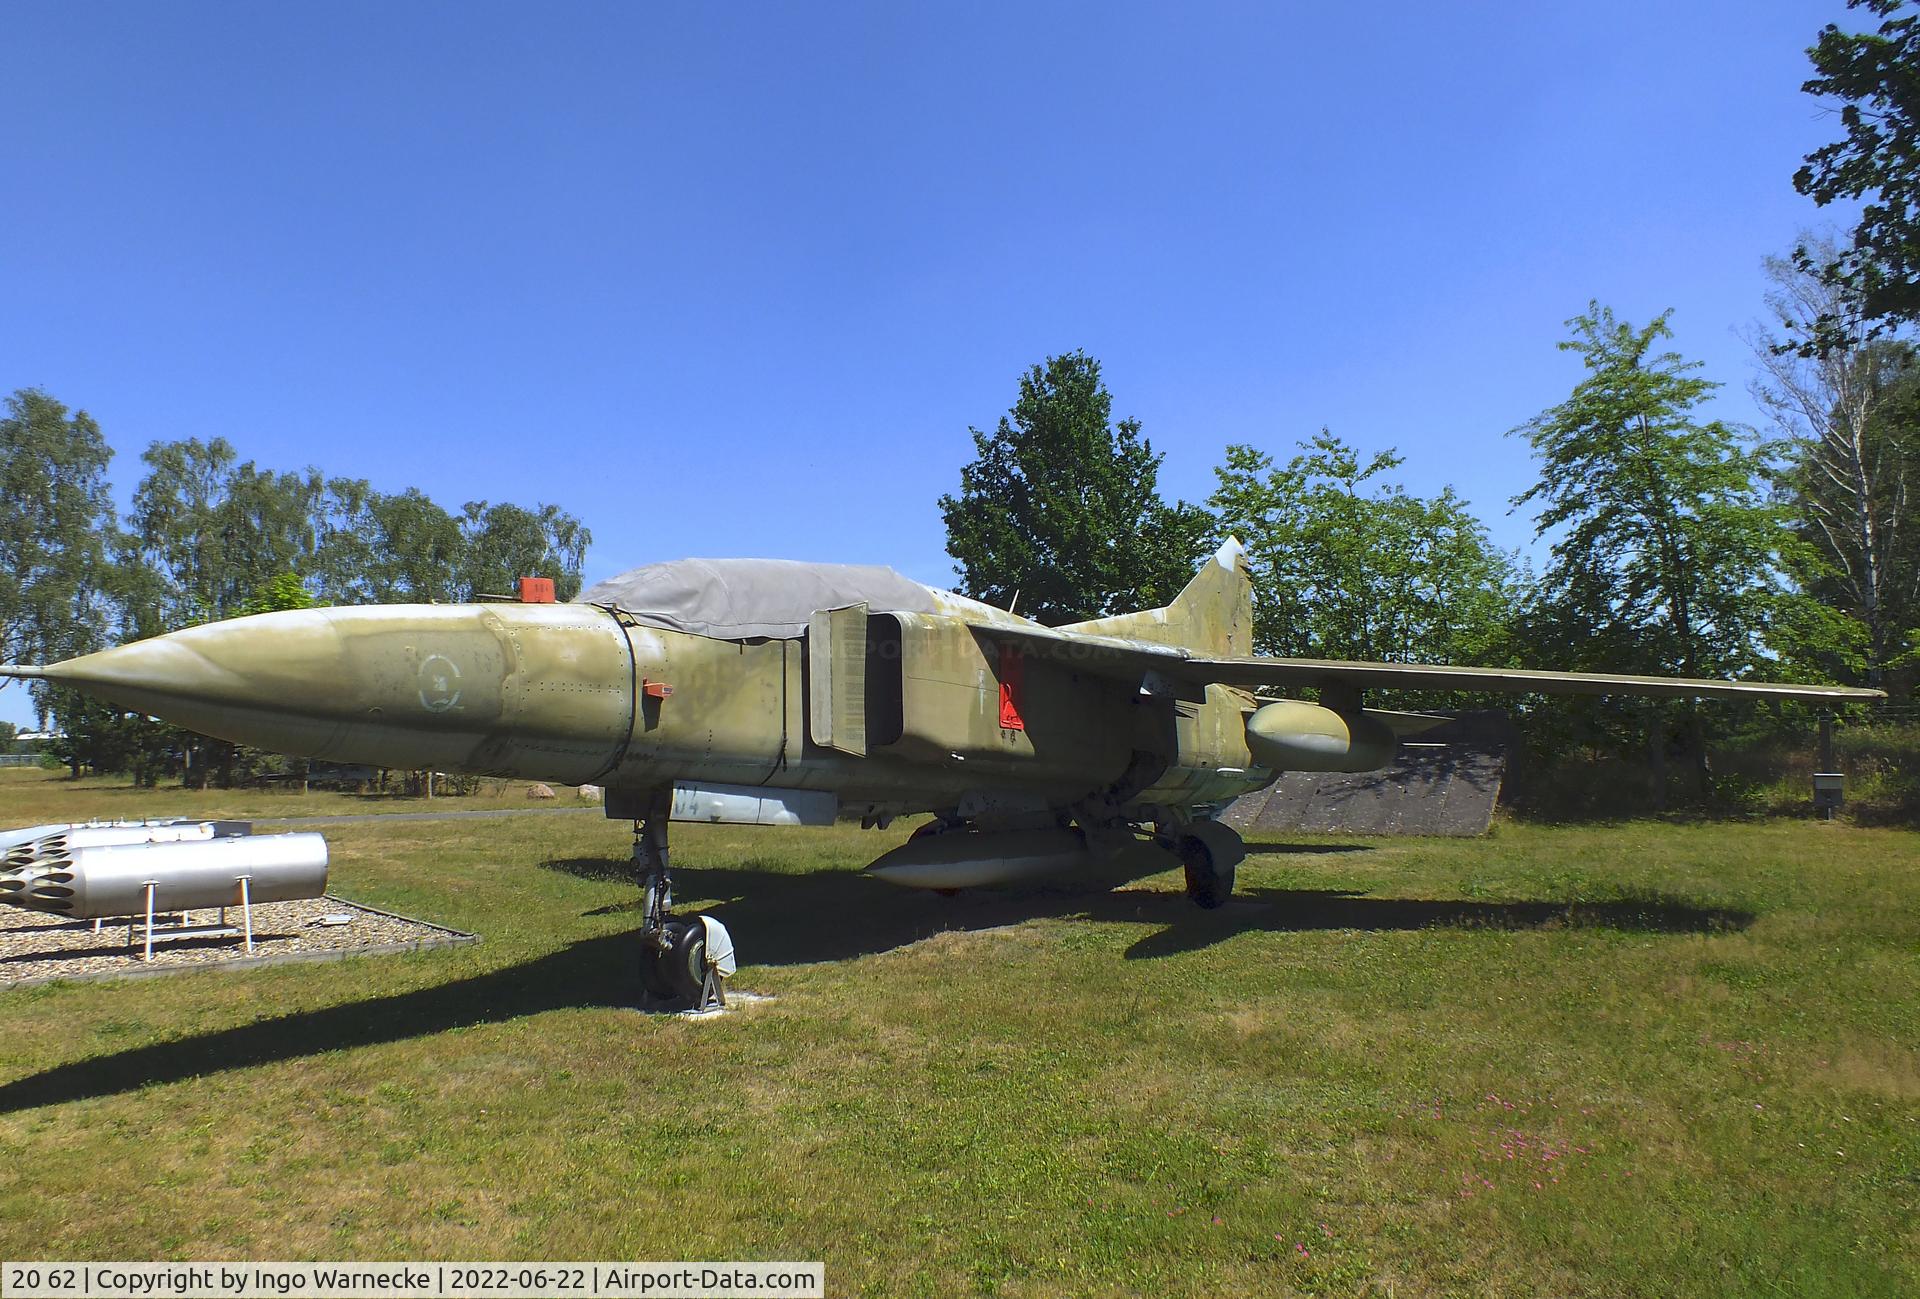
point(1678, 545)
point(212, 536)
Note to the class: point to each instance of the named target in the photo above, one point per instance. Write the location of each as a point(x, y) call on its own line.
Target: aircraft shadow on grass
point(788, 919)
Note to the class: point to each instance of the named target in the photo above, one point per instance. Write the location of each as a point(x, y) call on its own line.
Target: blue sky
point(732, 279)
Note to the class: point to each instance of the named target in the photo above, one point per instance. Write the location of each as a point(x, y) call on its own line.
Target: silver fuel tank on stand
point(112, 880)
point(93, 873)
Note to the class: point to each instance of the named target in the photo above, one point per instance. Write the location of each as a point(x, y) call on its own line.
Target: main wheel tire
point(686, 961)
point(1210, 851)
point(1207, 884)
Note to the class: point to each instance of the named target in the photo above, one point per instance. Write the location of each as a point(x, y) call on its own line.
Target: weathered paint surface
point(494, 689)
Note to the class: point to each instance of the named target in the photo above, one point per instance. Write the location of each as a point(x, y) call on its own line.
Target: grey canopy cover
point(739, 599)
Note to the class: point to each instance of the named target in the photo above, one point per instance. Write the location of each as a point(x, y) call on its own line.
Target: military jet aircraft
point(775, 692)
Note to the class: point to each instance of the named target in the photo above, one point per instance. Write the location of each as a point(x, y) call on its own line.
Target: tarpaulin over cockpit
point(742, 599)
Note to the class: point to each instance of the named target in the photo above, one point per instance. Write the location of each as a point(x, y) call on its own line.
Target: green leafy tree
point(1062, 506)
point(1348, 565)
point(1846, 413)
point(212, 537)
point(102, 739)
point(1876, 75)
point(379, 548)
point(278, 593)
point(1665, 551)
point(425, 549)
point(207, 531)
point(55, 569)
point(504, 542)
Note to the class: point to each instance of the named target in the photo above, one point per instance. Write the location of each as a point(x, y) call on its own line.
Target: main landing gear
point(684, 961)
point(1209, 851)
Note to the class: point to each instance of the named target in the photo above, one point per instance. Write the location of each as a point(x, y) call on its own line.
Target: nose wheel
point(673, 964)
point(684, 961)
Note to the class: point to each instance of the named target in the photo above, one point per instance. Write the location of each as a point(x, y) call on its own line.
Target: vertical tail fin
point(1213, 614)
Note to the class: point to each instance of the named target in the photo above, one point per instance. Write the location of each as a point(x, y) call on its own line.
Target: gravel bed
point(35, 946)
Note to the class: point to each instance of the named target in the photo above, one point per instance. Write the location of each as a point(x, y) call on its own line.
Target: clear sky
point(734, 279)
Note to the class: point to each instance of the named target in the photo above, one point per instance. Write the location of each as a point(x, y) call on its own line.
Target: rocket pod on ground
point(89, 883)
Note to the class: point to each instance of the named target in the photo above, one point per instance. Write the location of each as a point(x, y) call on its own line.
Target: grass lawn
point(1635, 1060)
point(31, 796)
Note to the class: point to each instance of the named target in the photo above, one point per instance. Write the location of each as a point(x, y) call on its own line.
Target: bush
point(1757, 774)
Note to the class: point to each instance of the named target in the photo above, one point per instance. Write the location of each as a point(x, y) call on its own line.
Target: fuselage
point(576, 693)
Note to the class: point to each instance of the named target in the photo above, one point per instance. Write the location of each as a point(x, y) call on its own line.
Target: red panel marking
point(1010, 669)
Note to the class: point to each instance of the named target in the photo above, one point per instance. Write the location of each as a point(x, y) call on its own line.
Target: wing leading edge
point(1112, 656)
point(1254, 672)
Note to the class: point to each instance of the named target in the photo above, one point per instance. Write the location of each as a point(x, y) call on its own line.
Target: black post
point(1826, 750)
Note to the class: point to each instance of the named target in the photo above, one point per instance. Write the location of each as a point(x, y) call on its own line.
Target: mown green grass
point(33, 795)
point(1348, 1082)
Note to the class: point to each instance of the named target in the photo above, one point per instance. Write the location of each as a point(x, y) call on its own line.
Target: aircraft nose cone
point(499, 690)
point(276, 680)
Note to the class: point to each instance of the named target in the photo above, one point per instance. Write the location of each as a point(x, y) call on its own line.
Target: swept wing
point(1176, 666)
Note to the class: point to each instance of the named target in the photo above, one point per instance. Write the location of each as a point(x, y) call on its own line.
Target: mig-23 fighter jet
point(776, 692)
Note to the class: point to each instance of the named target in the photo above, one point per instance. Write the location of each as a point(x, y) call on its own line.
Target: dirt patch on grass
point(1876, 1068)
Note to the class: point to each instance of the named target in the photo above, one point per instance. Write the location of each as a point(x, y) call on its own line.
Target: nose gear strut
point(676, 969)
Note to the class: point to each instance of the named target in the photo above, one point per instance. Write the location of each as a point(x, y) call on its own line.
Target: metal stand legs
point(180, 926)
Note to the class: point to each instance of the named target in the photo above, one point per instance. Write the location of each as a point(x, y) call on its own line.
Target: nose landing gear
point(684, 962)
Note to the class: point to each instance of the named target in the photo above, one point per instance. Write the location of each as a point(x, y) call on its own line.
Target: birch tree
point(1851, 473)
point(55, 521)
